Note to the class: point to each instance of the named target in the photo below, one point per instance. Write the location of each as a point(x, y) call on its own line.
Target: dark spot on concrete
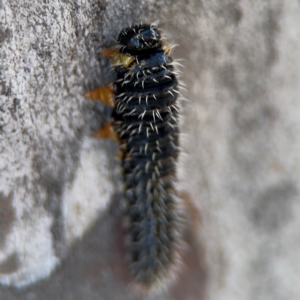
point(14, 108)
point(270, 30)
point(44, 53)
point(252, 124)
point(273, 207)
point(234, 14)
point(2, 109)
point(227, 77)
point(7, 216)
point(10, 265)
point(4, 35)
point(4, 89)
point(238, 15)
point(34, 46)
point(249, 120)
point(230, 13)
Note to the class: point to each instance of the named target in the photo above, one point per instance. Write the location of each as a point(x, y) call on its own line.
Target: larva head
point(139, 37)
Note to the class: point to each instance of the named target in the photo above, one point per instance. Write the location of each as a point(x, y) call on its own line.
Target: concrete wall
point(241, 166)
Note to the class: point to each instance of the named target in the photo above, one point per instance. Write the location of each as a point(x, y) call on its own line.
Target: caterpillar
point(145, 122)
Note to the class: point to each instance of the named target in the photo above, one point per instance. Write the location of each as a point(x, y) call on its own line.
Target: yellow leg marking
point(166, 48)
point(122, 59)
point(117, 57)
point(106, 132)
point(105, 94)
point(109, 52)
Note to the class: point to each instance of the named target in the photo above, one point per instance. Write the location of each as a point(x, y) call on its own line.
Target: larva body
point(145, 120)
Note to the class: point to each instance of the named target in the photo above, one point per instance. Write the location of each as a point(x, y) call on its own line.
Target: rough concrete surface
point(59, 216)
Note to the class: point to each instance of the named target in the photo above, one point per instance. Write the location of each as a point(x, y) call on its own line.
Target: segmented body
point(146, 121)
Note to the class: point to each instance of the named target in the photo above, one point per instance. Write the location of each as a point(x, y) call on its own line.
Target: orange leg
point(105, 94)
point(106, 132)
point(109, 52)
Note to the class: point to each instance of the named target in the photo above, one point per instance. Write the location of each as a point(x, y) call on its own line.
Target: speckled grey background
point(240, 134)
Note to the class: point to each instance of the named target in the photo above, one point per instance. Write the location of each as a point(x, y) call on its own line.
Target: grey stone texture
point(60, 188)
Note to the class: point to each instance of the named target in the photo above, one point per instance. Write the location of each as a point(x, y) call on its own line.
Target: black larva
point(145, 118)
point(146, 121)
